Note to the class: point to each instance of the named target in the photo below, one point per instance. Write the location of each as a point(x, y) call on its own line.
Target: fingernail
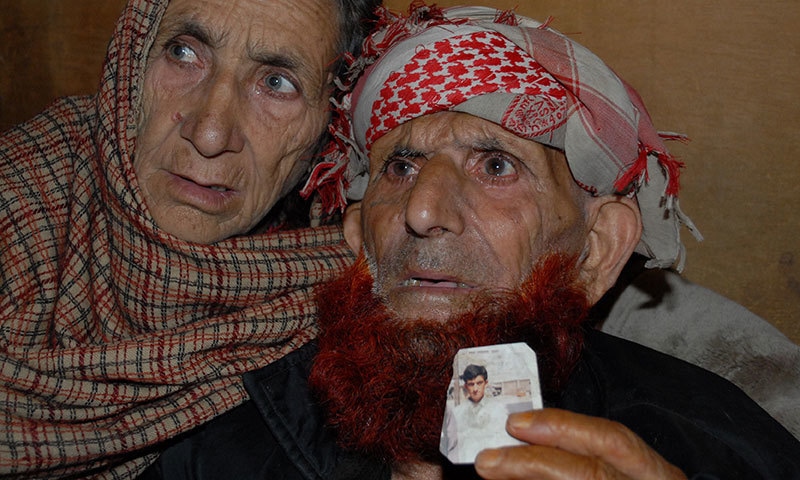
point(489, 458)
point(520, 420)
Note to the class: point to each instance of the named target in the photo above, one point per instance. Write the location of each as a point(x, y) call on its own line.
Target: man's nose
point(435, 201)
point(212, 124)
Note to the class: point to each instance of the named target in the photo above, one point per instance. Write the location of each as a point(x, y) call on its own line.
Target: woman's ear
point(615, 224)
point(352, 227)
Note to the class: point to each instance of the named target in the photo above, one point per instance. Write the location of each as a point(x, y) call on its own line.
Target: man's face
point(457, 204)
point(235, 97)
point(475, 388)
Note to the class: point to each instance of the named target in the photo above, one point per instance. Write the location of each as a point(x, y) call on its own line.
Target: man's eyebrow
point(404, 151)
point(488, 145)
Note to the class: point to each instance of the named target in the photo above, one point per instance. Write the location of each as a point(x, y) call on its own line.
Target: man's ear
point(352, 227)
point(615, 224)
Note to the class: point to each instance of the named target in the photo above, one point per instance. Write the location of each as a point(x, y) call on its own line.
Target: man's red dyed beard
point(383, 380)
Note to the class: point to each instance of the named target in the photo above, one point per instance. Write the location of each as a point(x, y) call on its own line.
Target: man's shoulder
point(667, 299)
point(280, 431)
point(296, 421)
point(664, 311)
point(617, 363)
point(241, 443)
point(678, 408)
point(617, 360)
point(286, 403)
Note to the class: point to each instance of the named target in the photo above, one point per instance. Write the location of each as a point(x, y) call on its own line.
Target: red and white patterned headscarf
point(535, 82)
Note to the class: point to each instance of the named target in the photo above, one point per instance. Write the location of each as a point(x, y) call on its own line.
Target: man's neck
point(417, 471)
point(434, 471)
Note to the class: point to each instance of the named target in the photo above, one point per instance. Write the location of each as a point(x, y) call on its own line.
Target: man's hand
point(570, 445)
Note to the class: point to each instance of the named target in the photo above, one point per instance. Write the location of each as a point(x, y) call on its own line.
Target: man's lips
point(434, 283)
point(430, 295)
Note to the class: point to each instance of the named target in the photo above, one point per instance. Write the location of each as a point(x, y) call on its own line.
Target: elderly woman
point(142, 273)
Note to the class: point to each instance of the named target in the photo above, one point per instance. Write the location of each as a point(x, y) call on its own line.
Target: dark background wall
point(50, 48)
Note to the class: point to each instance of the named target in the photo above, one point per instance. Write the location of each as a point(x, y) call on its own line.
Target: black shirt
point(695, 419)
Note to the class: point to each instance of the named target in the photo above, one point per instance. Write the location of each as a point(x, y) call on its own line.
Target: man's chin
point(438, 307)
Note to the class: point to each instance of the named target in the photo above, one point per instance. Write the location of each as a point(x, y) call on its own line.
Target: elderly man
point(511, 175)
point(142, 273)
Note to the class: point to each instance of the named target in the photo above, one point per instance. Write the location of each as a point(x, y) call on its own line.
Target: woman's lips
point(210, 198)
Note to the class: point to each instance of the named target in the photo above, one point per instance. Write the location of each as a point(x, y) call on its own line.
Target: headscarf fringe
point(329, 178)
point(507, 17)
point(674, 136)
point(398, 27)
point(546, 24)
point(637, 173)
point(673, 168)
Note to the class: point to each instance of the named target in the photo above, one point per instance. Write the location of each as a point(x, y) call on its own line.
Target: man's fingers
point(532, 462)
point(581, 434)
point(613, 444)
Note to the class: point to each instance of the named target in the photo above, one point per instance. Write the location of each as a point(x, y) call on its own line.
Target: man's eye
point(181, 53)
point(279, 83)
point(399, 168)
point(499, 167)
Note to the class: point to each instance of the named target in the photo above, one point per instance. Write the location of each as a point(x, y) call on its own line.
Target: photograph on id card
point(488, 384)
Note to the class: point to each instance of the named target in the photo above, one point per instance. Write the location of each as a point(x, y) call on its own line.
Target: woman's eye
point(181, 53)
point(499, 167)
point(279, 83)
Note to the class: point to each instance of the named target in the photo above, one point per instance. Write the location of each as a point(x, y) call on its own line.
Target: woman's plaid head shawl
point(114, 335)
point(533, 81)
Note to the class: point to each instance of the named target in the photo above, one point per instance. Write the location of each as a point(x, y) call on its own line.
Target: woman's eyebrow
point(191, 27)
point(280, 60)
point(304, 69)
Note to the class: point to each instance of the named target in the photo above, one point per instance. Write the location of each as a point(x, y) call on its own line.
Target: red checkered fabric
point(113, 335)
point(451, 71)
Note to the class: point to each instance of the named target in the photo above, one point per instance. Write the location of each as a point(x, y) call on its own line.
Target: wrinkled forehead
point(300, 30)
